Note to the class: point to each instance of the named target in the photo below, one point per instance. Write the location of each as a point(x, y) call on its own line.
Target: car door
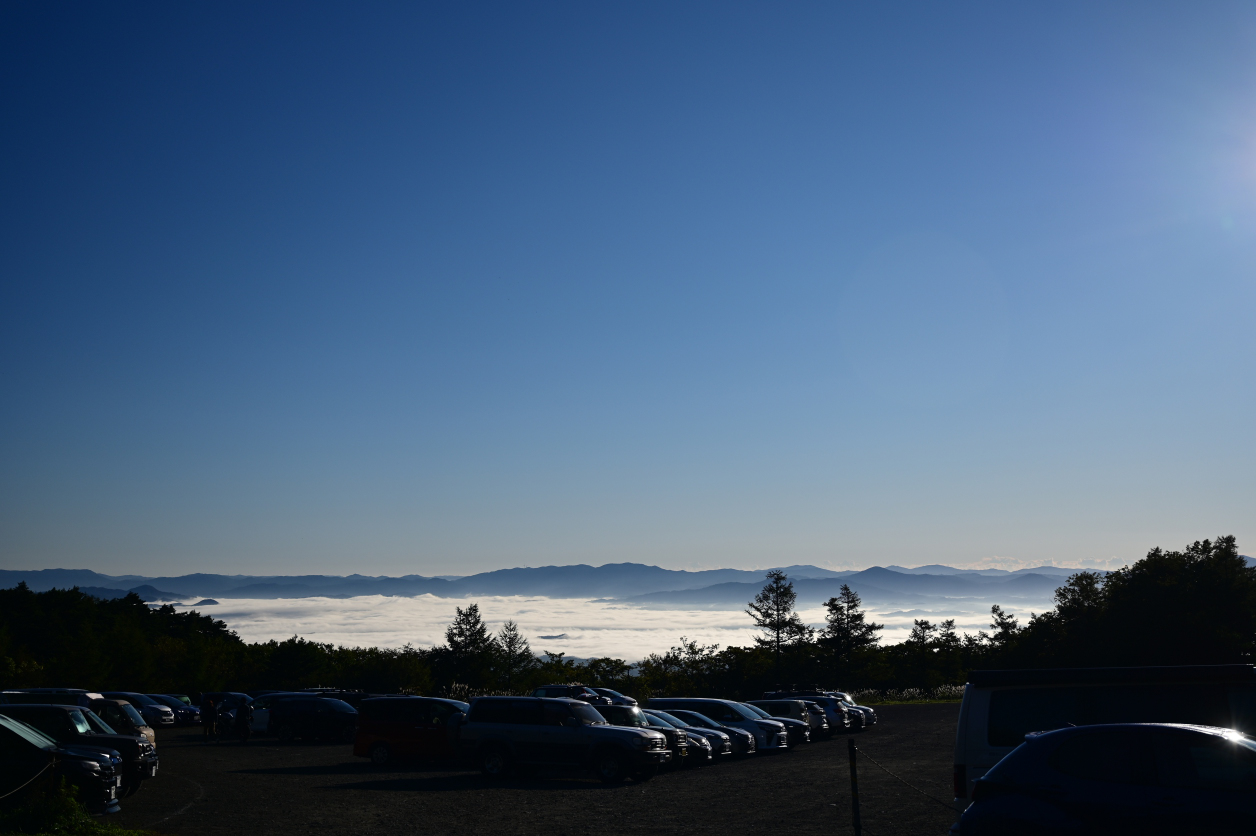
point(439, 739)
point(261, 715)
point(559, 742)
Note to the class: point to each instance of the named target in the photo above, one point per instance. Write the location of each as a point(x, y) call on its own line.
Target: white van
point(1001, 707)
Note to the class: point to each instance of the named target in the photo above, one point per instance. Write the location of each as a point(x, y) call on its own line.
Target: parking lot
point(266, 787)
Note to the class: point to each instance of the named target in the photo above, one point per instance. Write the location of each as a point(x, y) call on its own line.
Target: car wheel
point(495, 763)
point(286, 733)
point(380, 754)
point(645, 773)
point(610, 767)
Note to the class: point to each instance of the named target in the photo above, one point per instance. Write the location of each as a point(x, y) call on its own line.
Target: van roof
point(1106, 676)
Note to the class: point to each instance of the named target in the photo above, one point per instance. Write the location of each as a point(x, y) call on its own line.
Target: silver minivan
point(1001, 707)
point(768, 734)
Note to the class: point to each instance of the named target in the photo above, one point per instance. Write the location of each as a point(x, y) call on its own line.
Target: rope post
point(854, 789)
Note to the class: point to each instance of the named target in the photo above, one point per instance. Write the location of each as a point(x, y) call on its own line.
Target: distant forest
point(1195, 606)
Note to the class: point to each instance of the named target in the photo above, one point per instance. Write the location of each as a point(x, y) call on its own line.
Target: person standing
point(244, 721)
point(209, 718)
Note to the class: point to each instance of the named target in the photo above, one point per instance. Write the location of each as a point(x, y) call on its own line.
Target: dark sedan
point(313, 718)
point(154, 713)
point(70, 725)
point(184, 714)
point(1125, 778)
point(718, 742)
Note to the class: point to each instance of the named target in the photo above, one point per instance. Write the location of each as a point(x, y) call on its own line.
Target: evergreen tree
point(847, 632)
point(515, 657)
point(472, 648)
point(773, 613)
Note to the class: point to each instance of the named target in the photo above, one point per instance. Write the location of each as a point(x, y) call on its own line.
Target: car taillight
point(960, 777)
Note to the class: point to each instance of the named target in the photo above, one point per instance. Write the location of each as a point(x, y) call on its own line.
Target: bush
point(54, 810)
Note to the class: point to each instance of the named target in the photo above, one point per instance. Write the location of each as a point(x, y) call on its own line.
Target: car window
point(757, 712)
point(339, 706)
point(131, 714)
point(1107, 756)
point(98, 725)
point(79, 722)
point(441, 712)
point(587, 714)
point(1204, 762)
point(673, 719)
point(696, 719)
point(515, 712)
point(655, 722)
point(554, 713)
point(27, 733)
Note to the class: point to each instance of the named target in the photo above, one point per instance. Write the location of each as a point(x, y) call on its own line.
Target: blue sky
point(408, 288)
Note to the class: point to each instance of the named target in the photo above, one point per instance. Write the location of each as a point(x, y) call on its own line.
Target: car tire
point(380, 754)
point(645, 773)
point(610, 767)
point(286, 733)
point(495, 763)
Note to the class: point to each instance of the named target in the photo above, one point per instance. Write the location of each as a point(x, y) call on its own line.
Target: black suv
point(572, 692)
point(70, 725)
point(26, 752)
point(313, 718)
point(501, 733)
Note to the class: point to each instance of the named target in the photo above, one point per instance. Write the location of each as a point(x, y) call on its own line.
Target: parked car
point(742, 741)
point(154, 713)
point(313, 718)
point(260, 724)
point(25, 752)
point(799, 730)
point(718, 743)
point(184, 714)
point(354, 698)
point(1120, 778)
point(1001, 707)
point(398, 728)
point(796, 710)
point(501, 733)
point(768, 734)
point(122, 717)
point(631, 716)
point(572, 692)
point(615, 697)
point(49, 696)
point(861, 716)
point(819, 720)
point(183, 698)
point(70, 725)
point(232, 699)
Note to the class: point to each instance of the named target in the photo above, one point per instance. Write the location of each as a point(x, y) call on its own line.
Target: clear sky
point(419, 288)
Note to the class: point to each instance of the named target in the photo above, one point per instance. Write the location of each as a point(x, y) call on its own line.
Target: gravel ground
point(269, 788)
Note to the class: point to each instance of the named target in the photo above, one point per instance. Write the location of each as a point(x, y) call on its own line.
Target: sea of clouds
point(576, 627)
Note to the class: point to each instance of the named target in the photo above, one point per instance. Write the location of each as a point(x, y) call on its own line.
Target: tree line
point(1192, 606)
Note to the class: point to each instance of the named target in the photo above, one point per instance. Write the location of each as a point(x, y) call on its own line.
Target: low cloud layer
point(576, 627)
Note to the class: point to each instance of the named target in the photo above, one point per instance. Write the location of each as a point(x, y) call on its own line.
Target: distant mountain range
point(628, 582)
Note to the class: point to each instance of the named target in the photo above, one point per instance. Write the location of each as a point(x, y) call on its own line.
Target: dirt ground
point(268, 788)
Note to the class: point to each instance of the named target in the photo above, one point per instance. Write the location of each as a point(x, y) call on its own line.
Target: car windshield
point(671, 718)
point(162, 699)
point(98, 725)
point(658, 722)
point(588, 715)
point(759, 712)
point(28, 733)
point(623, 715)
point(743, 710)
point(696, 719)
point(607, 692)
point(132, 714)
point(142, 699)
point(79, 722)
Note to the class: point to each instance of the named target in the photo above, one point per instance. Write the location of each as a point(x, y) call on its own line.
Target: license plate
point(154, 772)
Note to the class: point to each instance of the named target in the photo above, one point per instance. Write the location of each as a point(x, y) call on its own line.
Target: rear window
point(514, 712)
point(1015, 712)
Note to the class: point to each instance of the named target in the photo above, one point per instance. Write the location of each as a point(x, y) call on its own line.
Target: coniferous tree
point(773, 613)
point(515, 657)
point(472, 648)
point(847, 632)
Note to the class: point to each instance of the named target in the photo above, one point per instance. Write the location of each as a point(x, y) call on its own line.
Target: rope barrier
point(904, 781)
point(47, 766)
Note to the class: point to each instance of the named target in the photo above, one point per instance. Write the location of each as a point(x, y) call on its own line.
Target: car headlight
point(639, 742)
